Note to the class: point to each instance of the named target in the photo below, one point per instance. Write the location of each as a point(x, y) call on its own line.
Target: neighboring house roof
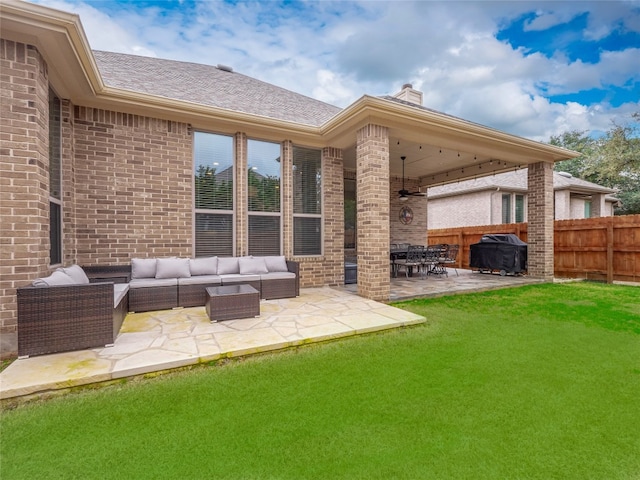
point(210, 86)
point(516, 181)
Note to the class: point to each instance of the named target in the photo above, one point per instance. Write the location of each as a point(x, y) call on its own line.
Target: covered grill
point(502, 252)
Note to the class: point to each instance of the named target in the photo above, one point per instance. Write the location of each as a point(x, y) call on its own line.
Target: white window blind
point(213, 194)
point(264, 181)
point(506, 208)
point(519, 208)
point(307, 201)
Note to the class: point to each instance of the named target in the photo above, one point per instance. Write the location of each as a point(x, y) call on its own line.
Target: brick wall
point(333, 204)
point(415, 232)
point(24, 179)
point(133, 187)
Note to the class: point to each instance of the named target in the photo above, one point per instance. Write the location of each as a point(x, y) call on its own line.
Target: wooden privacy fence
point(604, 248)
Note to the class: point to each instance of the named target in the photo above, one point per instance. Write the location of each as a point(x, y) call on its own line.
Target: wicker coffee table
point(232, 301)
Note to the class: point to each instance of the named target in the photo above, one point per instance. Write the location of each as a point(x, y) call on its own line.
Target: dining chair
point(431, 258)
point(412, 260)
point(450, 258)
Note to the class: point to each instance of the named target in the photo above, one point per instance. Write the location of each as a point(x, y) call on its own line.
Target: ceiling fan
point(404, 193)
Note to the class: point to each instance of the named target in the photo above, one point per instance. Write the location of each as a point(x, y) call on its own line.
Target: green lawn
point(537, 382)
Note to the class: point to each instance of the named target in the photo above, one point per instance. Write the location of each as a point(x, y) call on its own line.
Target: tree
point(612, 160)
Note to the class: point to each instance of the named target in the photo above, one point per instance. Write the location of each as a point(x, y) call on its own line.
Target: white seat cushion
point(237, 278)
point(201, 280)
point(153, 282)
point(277, 275)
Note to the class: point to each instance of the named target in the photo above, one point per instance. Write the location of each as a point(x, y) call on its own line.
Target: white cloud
point(338, 51)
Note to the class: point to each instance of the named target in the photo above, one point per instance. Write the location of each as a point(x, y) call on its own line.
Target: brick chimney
point(408, 94)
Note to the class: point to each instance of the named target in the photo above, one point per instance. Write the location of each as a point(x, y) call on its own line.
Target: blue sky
point(530, 68)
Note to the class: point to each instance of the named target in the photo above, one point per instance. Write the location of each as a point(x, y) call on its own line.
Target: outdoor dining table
point(434, 267)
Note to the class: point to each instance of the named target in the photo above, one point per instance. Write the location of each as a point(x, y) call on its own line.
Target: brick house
point(106, 156)
point(502, 198)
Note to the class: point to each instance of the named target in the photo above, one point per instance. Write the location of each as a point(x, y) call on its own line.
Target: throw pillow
point(252, 265)
point(203, 266)
point(228, 265)
point(143, 268)
point(172, 268)
point(76, 273)
point(56, 278)
point(276, 264)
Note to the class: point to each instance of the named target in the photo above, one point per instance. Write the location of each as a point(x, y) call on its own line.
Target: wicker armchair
point(66, 317)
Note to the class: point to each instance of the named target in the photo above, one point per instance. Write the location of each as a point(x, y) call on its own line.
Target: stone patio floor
point(163, 340)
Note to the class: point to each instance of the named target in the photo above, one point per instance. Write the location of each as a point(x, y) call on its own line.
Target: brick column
point(333, 215)
point(540, 229)
point(372, 158)
point(24, 180)
point(241, 201)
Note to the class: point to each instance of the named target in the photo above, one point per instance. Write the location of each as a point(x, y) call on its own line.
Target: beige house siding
point(471, 209)
point(485, 208)
point(562, 205)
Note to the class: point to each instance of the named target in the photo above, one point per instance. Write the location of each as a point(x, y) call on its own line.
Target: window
point(506, 208)
point(263, 179)
point(350, 217)
point(587, 209)
point(55, 180)
point(519, 208)
point(213, 194)
point(307, 201)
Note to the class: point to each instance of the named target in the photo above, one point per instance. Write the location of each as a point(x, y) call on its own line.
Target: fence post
point(610, 250)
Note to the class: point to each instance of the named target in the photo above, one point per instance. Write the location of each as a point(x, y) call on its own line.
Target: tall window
point(213, 187)
point(263, 176)
point(55, 180)
point(519, 208)
point(350, 218)
point(307, 201)
point(506, 208)
point(587, 209)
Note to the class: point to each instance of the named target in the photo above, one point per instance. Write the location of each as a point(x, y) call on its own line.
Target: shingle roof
point(210, 86)
point(513, 181)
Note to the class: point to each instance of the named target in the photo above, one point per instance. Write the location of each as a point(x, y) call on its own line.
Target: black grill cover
point(501, 251)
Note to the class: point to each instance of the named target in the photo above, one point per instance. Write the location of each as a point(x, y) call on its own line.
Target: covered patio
point(158, 341)
point(400, 148)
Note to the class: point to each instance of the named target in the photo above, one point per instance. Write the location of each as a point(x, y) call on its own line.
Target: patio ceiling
point(439, 148)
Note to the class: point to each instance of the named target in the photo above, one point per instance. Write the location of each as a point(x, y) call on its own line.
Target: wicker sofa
point(164, 283)
point(84, 307)
point(66, 312)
